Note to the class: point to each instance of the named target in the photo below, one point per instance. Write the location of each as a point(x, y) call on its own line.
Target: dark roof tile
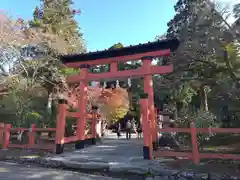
point(171, 44)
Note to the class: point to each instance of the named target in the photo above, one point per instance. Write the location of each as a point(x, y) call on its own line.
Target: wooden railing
point(60, 139)
point(195, 155)
point(5, 138)
point(7, 129)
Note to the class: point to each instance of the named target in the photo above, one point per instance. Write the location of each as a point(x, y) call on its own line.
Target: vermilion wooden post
point(6, 135)
point(147, 150)
point(60, 128)
point(1, 132)
point(148, 88)
point(195, 152)
point(81, 122)
point(94, 123)
point(31, 135)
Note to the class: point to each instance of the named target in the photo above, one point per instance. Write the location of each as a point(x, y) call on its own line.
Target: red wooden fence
point(7, 129)
point(5, 133)
point(195, 155)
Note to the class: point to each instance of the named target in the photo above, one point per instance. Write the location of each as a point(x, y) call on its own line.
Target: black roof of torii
point(171, 44)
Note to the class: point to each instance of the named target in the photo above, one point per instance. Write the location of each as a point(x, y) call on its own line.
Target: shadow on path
point(110, 150)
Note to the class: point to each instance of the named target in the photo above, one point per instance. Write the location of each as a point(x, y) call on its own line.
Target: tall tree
point(57, 17)
point(199, 62)
point(236, 10)
point(16, 43)
point(35, 46)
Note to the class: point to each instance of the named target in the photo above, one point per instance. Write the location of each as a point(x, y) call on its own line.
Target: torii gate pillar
point(148, 88)
point(81, 121)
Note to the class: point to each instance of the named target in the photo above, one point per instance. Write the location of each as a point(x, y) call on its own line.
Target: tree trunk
point(179, 107)
point(204, 97)
point(51, 109)
point(50, 101)
point(175, 111)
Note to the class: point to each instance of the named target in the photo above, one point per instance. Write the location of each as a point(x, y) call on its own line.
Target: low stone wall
point(128, 171)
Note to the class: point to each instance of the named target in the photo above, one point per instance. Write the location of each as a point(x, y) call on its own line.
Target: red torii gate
point(145, 52)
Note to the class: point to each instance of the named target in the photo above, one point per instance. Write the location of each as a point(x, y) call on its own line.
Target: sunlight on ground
point(219, 148)
point(44, 174)
point(109, 149)
point(30, 157)
point(105, 146)
point(113, 163)
point(3, 170)
point(56, 158)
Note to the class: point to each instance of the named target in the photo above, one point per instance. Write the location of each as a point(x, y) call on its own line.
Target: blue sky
point(106, 22)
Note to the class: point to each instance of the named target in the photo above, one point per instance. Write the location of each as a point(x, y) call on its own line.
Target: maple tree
point(113, 103)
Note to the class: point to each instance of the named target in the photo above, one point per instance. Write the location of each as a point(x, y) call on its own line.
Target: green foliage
point(54, 32)
point(21, 109)
point(203, 75)
point(236, 10)
point(116, 46)
point(202, 119)
point(183, 94)
point(233, 59)
point(205, 119)
point(144, 95)
point(69, 71)
point(58, 18)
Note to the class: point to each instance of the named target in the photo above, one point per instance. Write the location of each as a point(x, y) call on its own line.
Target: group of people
point(129, 129)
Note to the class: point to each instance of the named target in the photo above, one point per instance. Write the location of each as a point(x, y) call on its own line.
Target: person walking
point(139, 131)
point(128, 129)
point(118, 130)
